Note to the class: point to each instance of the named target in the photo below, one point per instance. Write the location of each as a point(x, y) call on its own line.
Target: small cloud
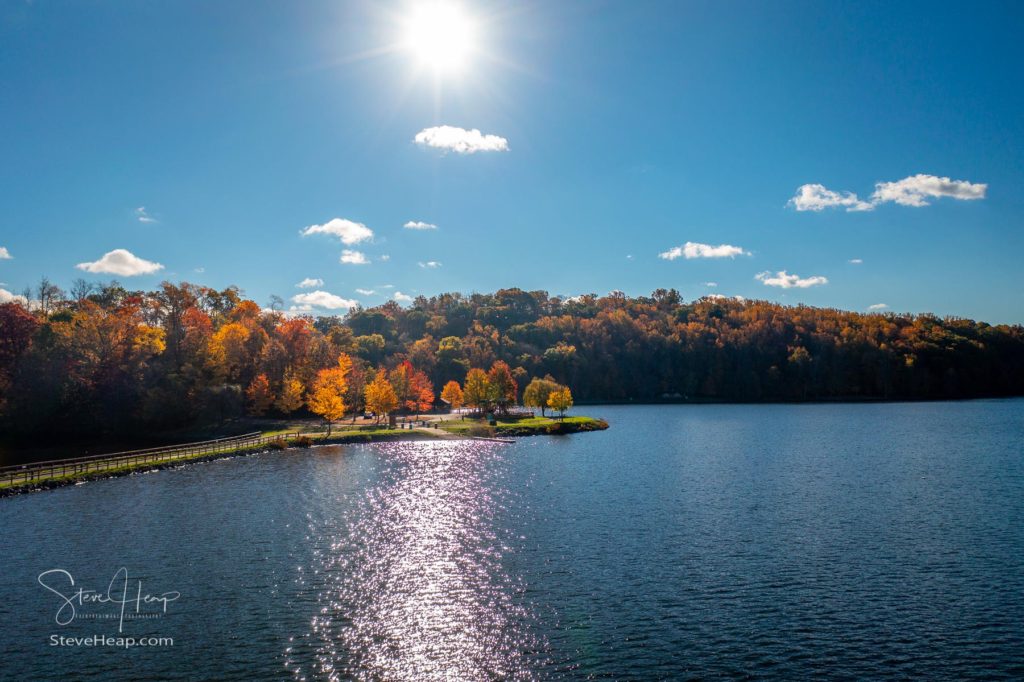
point(695, 250)
point(916, 189)
point(366, 292)
point(353, 257)
point(200, 270)
point(786, 281)
point(460, 140)
point(723, 297)
point(5, 254)
point(8, 297)
point(855, 261)
point(430, 264)
point(348, 231)
point(121, 262)
point(711, 285)
point(385, 258)
point(387, 286)
point(320, 299)
point(310, 282)
point(419, 225)
point(629, 256)
point(144, 217)
point(878, 306)
point(402, 298)
point(815, 197)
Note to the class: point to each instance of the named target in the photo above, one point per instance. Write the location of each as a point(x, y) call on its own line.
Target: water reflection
point(411, 586)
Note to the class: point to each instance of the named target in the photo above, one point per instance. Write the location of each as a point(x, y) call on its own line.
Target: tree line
point(104, 358)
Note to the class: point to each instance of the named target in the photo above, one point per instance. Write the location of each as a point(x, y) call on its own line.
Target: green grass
point(530, 426)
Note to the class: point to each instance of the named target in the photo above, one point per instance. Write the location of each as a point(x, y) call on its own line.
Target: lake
point(834, 541)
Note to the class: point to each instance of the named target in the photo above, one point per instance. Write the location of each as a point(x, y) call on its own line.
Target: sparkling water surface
point(709, 541)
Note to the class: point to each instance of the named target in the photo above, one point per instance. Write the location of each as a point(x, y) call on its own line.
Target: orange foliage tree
point(259, 395)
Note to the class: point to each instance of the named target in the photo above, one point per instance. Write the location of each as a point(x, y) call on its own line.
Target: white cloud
point(419, 225)
point(460, 140)
point(353, 257)
point(320, 299)
point(695, 250)
point(710, 284)
point(121, 262)
point(402, 298)
point(144, 217)
point(5, 254)
point(385, 258)
point(629, 256)
point(786, 281)
point(723, 297)
point(200, 270)
point(348, 231)
point(878, 306)
point(8, 297)
point(310, 282)
point(815, 197)
point(916, 189)
point(856, 261)
point(430, 264)
point(366, 292)
point(387, 286)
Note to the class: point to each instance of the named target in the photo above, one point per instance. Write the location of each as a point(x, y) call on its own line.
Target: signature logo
point(125, 598)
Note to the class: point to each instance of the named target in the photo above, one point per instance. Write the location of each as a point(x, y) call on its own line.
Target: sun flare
point(441, 36)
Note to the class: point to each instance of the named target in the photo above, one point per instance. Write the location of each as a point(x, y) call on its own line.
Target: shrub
point(302, 441)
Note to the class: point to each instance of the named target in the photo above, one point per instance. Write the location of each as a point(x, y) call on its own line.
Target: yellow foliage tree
point(327, 398)
point(477, 391)
point(291, 395)
point(452, 394)
point(228, 349)
point(560, 400)
point(380, 396)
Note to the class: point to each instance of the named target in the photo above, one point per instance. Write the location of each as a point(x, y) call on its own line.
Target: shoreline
point(301, 441)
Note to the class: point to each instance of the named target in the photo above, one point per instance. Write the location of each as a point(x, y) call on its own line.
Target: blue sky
point(621, 130)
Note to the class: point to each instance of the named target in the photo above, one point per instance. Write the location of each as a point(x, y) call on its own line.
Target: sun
point(441, 35)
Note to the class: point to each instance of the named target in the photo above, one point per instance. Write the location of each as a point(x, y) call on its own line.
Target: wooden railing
point(33, 472)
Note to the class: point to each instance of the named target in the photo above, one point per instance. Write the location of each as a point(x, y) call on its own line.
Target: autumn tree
point(327, 398)
point(259, 395)
point(401, 381)
point(538, 391)
point(228, 350)
point(503, 386)
point(380, 396)
point(422, 392)
point(477, 390)
point(452, 394)
point(560, 400)
point(291, 395)
point(355, 397)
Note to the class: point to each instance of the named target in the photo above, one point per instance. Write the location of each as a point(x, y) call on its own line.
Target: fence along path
point(33, 472)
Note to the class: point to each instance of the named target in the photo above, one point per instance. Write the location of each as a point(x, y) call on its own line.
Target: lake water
point(712, 541)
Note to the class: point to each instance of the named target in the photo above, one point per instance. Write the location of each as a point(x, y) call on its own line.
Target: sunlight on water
point(413, 587)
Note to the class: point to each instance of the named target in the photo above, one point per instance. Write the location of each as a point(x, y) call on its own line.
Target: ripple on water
point(413, 584)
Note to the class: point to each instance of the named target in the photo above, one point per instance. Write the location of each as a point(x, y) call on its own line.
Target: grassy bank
point(339, 437)
point(529, 426)
point(282, 439)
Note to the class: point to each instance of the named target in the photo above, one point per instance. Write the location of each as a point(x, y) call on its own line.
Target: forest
point(103, 358)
